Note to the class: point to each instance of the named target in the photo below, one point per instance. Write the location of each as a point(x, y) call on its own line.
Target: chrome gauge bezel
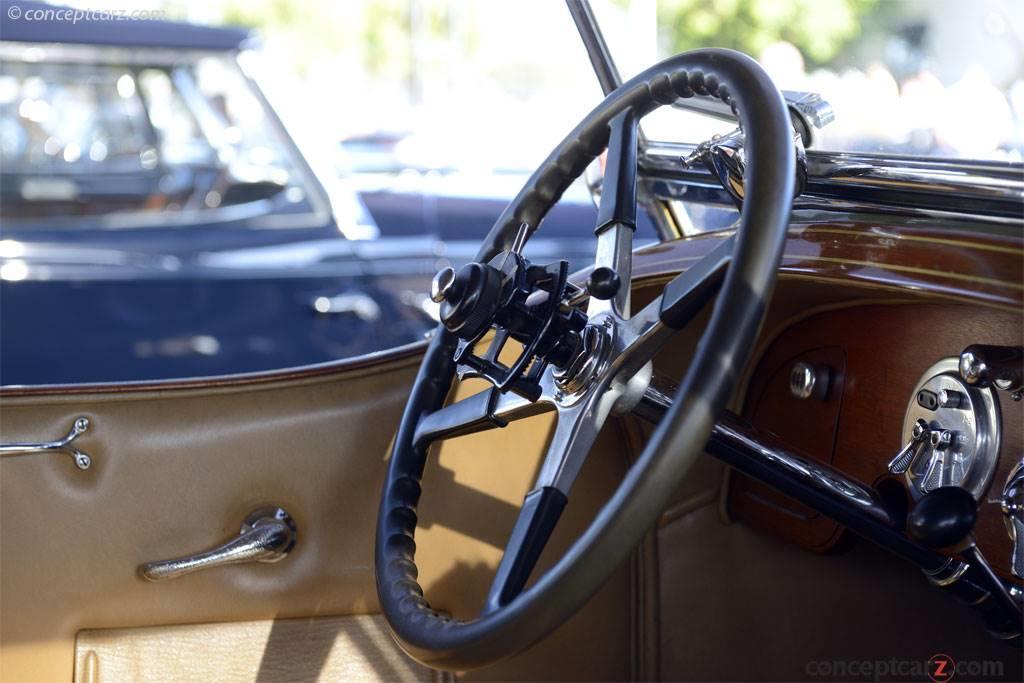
point(977, 423)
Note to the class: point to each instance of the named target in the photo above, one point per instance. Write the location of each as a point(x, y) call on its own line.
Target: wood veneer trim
point(928, 239)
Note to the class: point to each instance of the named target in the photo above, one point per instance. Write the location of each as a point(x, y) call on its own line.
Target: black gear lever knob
point(603, 283)
point(943, 518)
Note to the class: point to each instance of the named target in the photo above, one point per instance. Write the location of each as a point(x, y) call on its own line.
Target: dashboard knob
point(948, 398)
point(943, 518)
point(809, 381)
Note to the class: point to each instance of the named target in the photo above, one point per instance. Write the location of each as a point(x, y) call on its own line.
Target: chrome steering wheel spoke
point(614, 251)
point(575, 431)
point(616, 216)
point(639, 337)
point(644, 334)
point(480, 412)
point(609, 374)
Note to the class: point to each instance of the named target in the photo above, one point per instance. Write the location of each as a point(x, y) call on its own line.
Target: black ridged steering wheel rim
point(441, 641)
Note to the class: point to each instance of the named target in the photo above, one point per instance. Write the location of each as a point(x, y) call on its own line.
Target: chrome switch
point(951, 433)
point(909, 453)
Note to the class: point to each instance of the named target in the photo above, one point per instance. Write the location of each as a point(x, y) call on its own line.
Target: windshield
point(86, 137)
point(938, 78)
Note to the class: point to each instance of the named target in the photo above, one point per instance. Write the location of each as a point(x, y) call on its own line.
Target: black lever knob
point(998, 366)
point(943, 518)
point(603, 283)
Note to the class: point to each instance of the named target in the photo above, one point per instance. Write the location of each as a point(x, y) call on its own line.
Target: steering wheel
point(588, 365)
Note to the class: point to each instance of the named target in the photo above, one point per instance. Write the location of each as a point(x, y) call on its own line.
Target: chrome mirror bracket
point(724, 156)
point(810, 112)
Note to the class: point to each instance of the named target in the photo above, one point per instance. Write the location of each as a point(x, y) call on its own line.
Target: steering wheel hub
point(523, 302)
point(589, 362)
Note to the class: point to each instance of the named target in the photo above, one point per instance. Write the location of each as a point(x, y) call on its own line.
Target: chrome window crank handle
point(267, 535)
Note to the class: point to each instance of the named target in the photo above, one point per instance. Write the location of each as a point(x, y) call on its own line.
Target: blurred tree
point(307, 28)
point(821, 29)
point(387, 37)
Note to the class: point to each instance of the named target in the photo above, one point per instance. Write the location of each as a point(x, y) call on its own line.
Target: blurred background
point(423, 82)
point(276, 188)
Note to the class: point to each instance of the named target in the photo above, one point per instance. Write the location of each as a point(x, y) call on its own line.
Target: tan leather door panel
point(355, 648)
point(175, 470)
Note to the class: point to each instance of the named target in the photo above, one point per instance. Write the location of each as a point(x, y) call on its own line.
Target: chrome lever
point(267, 535)
point(909, 453)
point(1012, 505)
point(82, 460)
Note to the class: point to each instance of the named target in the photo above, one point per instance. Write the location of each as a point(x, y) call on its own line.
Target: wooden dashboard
point(877, 305)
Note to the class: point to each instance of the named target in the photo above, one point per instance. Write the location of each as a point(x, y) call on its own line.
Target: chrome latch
point(82, 460)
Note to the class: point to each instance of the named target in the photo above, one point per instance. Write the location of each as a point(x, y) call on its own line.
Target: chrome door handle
point(267, 535)
point(62, 445)
point(358, 304)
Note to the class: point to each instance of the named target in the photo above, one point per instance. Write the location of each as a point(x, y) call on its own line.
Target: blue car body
point(266, 280)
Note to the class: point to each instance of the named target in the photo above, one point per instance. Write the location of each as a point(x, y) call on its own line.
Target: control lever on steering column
point(527, 303)
point(944, 519)
point(1012, 505)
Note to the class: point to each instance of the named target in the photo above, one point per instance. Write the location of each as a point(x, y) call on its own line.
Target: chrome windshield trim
point(842, 181)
